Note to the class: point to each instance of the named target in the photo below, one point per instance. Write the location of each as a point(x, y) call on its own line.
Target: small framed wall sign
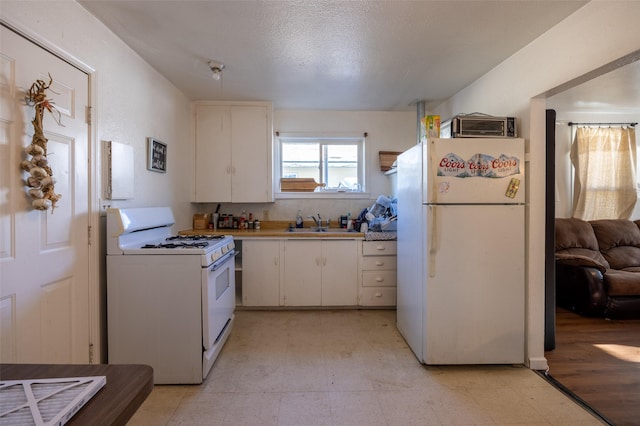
point(157, 155)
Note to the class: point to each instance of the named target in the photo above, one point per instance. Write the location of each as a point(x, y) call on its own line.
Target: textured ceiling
point(342, 55)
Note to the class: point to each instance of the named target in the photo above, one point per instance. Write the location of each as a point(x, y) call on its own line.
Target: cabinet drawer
point(378, 296)
point(379, 263)
point(378, 248)
point(379, 278)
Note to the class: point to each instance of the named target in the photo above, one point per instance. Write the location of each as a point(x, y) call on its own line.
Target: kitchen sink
point(317, 230)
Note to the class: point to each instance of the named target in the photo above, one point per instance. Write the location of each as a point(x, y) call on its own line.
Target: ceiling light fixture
point(216, 69)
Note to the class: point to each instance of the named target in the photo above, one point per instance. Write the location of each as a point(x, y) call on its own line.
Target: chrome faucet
point(318, 221)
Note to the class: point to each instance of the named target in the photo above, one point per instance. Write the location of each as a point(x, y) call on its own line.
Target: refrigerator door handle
point(429, 173)
point(434, 239)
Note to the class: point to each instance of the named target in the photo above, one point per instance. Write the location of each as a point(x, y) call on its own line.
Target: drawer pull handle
point(378, 294)
point(379, 247)
point(379, 263)
point(379, 279)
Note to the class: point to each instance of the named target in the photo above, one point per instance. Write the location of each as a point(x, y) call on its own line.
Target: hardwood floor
point(598, 360)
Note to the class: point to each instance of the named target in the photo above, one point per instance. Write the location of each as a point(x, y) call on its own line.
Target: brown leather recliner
point(598, 267)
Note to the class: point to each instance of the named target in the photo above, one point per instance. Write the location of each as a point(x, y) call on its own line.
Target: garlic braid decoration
point(41, 179)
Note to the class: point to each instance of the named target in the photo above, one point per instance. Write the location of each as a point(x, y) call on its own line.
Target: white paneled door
point(44, 283)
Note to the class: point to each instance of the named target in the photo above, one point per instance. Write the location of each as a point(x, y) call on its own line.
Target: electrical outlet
point(265, 215)
point(104, 205)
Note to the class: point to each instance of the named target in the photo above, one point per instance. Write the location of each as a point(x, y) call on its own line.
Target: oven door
point(218, 299)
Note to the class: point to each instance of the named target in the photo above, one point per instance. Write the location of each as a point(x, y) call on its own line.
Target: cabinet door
point(339, 273)
point(213, 154)
point(251, 155)
point(260, 273)
point(302, 273)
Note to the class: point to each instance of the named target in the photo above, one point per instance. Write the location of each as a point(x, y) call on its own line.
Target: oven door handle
point(218, 263)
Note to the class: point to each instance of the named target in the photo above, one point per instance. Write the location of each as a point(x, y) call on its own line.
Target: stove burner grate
point(176, 245)
point(195, 237)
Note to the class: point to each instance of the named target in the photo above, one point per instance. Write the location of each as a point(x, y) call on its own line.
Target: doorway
point(601, 92)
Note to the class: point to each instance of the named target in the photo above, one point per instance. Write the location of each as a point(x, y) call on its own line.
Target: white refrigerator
point(461, 262)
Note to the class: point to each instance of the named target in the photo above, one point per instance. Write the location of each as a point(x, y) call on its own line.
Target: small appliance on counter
point(478, 125)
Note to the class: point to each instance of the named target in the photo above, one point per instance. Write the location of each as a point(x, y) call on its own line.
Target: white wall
point(131, 100)
point(595, 35)
point(387, 131)
point(564, 171)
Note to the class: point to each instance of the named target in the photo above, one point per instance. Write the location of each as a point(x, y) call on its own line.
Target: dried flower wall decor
point(40, 181)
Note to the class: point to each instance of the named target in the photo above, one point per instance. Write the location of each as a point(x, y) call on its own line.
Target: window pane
point(301, 160)
point(341, 166)
point(334, 162)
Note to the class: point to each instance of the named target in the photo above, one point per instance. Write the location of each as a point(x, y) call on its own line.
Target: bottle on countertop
point(299, 221)
point(242, 222)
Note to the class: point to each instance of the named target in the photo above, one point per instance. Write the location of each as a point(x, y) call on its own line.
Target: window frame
point(329, 139)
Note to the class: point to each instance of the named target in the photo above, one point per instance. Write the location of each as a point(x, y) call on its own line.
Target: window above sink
point(322, 166)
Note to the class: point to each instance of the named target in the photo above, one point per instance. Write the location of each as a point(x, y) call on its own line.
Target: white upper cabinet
point(233, 152)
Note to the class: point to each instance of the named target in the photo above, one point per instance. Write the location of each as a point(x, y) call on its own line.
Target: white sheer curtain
point(605, 172)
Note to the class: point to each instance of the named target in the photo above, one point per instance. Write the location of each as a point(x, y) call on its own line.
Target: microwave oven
point(479, 126)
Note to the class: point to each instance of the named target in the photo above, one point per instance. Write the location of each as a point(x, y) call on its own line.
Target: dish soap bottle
point(299, 222)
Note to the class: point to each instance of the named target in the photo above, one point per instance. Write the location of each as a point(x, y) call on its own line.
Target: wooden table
point(126, 389)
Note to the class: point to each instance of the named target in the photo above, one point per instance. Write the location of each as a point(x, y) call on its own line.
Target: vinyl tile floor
point(349, 367)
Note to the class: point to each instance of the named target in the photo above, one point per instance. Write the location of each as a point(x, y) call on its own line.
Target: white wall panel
point(8, 329)
point(7, 83)
point(57, 224)
point(7, 246)
point(56, 304)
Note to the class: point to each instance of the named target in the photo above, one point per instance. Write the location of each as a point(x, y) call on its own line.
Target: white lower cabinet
point(261, 272)
point(340, 273)
point(378, 268)
point(320, 273)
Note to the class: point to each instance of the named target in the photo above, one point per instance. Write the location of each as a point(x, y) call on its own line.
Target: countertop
point(126, 389)
point(275, 229)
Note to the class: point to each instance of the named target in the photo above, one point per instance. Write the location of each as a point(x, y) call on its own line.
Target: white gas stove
point(170, 298)
point(148, 231)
